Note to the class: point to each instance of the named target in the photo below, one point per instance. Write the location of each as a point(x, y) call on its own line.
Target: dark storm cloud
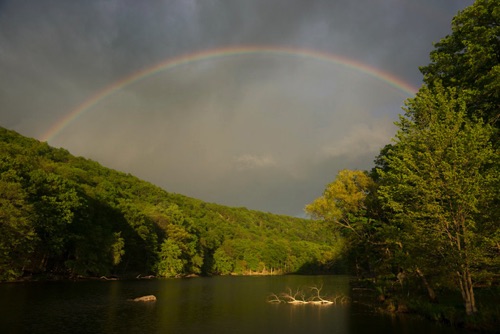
point(266, 132)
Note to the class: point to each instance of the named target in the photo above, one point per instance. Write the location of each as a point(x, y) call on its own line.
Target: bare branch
point(298, 297)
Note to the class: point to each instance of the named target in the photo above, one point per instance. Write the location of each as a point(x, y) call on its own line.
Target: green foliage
point(16, 234)
point(441, 175)
point(117, 248)
point(468, 59)
point(170, 263)
point(438, 183)
point(69, 216)
point(344, 200)
point(349, 205)
point(427, 215)
point(223, 263)
point(54, 200)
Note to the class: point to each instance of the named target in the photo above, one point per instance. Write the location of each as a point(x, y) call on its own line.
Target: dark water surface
point(194, 305)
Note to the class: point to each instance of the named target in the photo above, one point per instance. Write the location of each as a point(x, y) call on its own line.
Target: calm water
point(195, 305)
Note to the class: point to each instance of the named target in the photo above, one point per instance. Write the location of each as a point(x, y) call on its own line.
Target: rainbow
point(170, 63)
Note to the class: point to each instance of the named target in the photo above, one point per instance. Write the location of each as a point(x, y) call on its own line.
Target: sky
point(246, 103)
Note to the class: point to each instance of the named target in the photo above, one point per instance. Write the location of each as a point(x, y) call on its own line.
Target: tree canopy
point(69, 216)
point(469, 59)
point(428, 211)
point(439, 185)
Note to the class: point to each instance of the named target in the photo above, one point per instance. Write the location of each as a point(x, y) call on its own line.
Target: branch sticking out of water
point(299, 297)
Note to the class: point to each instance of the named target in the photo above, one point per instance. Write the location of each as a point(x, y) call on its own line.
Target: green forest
point(68, 216)
point(424, 222)
point(426, 217)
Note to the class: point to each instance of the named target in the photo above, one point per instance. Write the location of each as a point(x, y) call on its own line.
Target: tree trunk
point(430, 290)
point(467, 291)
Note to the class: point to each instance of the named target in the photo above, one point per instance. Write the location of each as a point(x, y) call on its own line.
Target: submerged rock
point(148, 298)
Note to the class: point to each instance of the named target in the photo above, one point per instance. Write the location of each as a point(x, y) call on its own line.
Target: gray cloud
point(262, 131)
point(252, 161)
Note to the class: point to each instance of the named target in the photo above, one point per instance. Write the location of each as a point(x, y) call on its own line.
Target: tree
point(170, 263)
point(55, 201)
point(180, 229)
point(439, 185)
point(349, 206)
point(144, 241)
point(469, 59)
point(16, 231)
point(223, 263)
point(343, 200)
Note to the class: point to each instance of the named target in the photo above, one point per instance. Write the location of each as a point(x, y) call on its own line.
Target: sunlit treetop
point(469, 58)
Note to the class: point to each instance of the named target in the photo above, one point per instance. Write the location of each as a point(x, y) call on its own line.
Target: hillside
point(69, 216)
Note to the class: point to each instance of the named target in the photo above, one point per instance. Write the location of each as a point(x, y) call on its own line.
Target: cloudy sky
point(266, 130)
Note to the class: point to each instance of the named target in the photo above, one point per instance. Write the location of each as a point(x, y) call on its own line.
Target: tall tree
point(16, 231)
point(343, 201)
point(469, 58)
point(349, 205)
point(55, 201)
point(439, 184)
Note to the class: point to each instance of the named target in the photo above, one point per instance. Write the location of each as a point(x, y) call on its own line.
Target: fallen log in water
point(298, 297)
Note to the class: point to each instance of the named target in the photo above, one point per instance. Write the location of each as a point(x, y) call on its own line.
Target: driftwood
point(299, 297)
point(145, 277)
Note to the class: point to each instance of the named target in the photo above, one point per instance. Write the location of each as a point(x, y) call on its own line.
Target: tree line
point(428, 213)
point(67, 216)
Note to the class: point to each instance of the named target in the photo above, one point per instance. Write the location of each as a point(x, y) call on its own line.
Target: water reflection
point(208, 305)
point(229, 304)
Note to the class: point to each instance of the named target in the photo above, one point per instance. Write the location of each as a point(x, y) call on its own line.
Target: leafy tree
point(16, 231)
point(145, 238)
point(349, 205)
point(223, 263)
point(469, 59)
point(170, 263)
point(439, 184)
point(180, 230)
point(117, 248)
point(343, 201)
point(344, 204)
point(275, 253)
point(55, 201)
point(467, 62)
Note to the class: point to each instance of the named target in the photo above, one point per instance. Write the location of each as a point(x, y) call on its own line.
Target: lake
point(192, 305)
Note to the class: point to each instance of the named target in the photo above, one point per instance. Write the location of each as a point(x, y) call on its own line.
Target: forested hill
point(63, 215)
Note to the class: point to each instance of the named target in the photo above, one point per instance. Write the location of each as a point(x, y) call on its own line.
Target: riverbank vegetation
point(65, 216)
point(423, 224)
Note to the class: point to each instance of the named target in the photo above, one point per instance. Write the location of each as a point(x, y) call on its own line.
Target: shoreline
point(448, 312)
